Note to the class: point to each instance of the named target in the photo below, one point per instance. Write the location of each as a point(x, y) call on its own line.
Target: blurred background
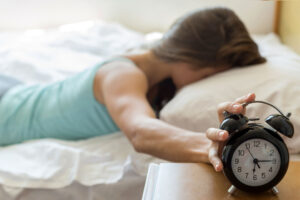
point(145, 16)
point(260, 16)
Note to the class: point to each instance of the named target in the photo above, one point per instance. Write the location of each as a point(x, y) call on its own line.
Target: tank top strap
point(118, 58)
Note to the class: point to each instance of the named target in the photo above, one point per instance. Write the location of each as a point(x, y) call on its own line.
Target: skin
point(130, 109)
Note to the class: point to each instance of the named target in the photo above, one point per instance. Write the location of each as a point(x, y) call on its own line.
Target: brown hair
point(211, 37)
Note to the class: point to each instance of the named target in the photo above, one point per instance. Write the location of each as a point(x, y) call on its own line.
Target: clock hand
point(255, 161)
point(258, 165)
point(250, 152)
point(264, 160)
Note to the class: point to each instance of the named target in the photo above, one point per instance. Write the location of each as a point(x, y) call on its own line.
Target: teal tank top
point(64, 110)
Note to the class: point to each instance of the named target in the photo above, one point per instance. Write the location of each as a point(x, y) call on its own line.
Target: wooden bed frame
point(276, 17)
point(287, 23)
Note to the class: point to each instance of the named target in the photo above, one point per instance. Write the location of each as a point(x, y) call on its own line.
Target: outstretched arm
point(123, 92)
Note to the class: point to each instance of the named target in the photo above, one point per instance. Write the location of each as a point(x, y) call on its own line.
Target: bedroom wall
point(289, 24)
point(144, 16)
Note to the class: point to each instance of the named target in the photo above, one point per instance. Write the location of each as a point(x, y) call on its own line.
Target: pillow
point(277, 81)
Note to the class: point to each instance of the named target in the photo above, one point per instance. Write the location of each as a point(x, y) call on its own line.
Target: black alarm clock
point(255, 157)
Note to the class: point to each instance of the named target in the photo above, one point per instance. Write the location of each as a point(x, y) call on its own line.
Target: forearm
point(157, 138)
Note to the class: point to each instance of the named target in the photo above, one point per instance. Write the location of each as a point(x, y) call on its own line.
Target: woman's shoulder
point(121, 67)
point(117, 60)
point(118, 74)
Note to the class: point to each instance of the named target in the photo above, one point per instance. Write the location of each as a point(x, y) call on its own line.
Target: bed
point(107, 167)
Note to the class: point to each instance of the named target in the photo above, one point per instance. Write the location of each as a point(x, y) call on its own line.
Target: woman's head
point(211, 40)
point(208, 38)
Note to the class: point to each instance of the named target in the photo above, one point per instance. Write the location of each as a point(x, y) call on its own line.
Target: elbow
point(140, 133)
point(140, 136)
point(137, 146)
point(137, 141)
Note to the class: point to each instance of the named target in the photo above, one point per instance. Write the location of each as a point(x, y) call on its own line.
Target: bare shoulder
point(118, 69)
point(118, 75)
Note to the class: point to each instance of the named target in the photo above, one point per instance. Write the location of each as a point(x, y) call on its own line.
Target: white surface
point(104, 168)
point(42, 56)
point(149, 189)
point(145, 16)
point(277, 81)
point(58, 163)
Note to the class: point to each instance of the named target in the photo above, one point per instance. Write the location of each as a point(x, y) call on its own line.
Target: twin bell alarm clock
point(255, 157)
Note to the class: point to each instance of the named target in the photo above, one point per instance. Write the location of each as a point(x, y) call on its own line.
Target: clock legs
point(231, 189)
point(275, 190)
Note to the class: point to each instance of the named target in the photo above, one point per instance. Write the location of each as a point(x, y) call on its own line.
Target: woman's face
point(185, 74)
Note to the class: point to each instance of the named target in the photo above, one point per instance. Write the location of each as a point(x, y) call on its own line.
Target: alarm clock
point(255, 157)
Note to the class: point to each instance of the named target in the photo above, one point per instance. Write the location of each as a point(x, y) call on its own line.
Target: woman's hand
point(218, 136)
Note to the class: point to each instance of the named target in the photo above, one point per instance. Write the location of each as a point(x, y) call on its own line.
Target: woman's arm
point(124, 94)
point(123, 91)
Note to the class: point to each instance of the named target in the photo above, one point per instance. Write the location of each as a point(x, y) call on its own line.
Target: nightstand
point(184, 181)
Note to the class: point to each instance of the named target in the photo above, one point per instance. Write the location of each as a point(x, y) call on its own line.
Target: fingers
point(229, 107)
point(215, 134)
point(213, 157)
point(235, 107)
point(245, 99)
point(218, 136)
point(220, 148)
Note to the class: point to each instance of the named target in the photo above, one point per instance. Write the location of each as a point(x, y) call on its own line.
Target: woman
point(120, 93)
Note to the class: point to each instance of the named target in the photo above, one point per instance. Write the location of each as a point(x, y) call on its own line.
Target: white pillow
point(278, 81)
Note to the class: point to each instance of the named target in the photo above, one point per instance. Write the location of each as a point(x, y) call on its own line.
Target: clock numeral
point(270, 170)
point(236, 161)
point(241, 152)
point(266, 145)
point(272, 152)
point(239, 169)
point(247, 175)
point(247, 145)
point(274, 161)
point(263, 175)
point(256, 143)
point(254, 177)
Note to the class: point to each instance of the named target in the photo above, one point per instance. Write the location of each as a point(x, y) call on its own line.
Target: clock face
point(255, 162)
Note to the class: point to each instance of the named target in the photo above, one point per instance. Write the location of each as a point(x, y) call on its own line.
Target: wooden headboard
point(288, 23)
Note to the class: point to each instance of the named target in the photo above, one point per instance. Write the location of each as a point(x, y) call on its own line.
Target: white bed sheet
point(97, 168)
